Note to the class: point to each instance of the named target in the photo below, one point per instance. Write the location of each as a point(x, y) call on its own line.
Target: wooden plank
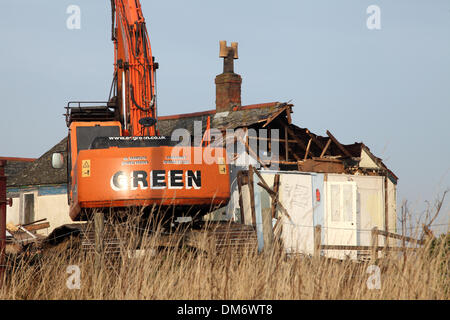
point(99, 223)
point(267, 230)
point(271, 193)
point(307, 149)
point(39, 226)
point(271, 139)
point(241, 202)
point(315, 140)
point(365, 248)
point(400, 237)
point(276, 114)
point(265, 185)
point(286, 145)
point(374, 244)
point(28, 224)
point(340, 146)
point(386, 211)
point(252, 193)
point(285, 162)
point(326, 148)
point(314, 165)
point(317, 240)
point(327, 160)
point(276, 187)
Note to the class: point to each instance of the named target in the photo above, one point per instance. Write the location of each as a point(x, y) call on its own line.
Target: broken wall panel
point(321, 166)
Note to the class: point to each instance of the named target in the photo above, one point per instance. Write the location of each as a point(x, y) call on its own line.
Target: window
point(335, 202)
point(342, 201)
point(86, 135)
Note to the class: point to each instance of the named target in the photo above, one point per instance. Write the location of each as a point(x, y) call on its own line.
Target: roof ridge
point(213, 111)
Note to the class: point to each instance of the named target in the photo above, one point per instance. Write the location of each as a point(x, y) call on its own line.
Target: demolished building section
point(323, 160)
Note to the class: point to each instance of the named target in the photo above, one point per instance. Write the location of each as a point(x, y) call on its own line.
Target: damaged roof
point(40, 171)
point(277, 114)
point(239, 117)
point(316, 148)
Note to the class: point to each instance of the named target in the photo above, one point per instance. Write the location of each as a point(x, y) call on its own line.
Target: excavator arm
point(134, 66)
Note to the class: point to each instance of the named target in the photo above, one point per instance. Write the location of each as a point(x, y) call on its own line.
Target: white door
point(341, 228)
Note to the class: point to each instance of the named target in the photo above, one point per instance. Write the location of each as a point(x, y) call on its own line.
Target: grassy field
point(183, 273)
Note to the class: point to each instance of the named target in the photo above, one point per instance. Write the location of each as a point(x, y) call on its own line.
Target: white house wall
point(50, 202)
point(55, 209)
point(13, 213)
point(366, 161)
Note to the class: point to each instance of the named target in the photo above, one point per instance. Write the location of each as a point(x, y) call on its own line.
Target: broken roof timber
point(325, 149)
point(297, 139)
point(340, 146)
point(283, 107)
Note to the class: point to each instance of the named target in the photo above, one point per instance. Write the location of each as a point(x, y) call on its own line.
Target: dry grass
point(180, 273)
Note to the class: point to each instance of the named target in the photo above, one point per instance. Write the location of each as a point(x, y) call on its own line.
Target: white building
point(39, 191)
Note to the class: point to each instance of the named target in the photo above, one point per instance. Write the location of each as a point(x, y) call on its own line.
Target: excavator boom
point(134, 69)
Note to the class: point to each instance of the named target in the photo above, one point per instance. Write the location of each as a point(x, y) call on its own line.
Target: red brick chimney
point(228, 84)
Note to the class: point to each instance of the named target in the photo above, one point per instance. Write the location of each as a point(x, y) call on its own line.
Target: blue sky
point(388, 88)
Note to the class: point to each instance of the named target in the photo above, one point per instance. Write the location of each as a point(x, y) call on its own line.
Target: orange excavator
point(116, 157)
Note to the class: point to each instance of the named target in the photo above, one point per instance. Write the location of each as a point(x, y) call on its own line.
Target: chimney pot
point(228, 84)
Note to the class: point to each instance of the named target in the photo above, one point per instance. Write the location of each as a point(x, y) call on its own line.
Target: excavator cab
point(108, 171)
